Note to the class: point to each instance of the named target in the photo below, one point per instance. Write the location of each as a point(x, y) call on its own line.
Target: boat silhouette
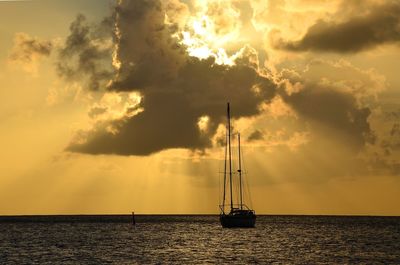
point(239, 215)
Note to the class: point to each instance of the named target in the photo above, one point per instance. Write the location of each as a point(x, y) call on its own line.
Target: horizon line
point(191, 214)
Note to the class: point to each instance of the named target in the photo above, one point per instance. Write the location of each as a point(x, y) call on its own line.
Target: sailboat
point(239, 214)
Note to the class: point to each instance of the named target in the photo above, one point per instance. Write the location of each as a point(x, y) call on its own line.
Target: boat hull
point(233, 221)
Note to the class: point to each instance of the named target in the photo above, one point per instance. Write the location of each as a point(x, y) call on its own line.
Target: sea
point(198, 239)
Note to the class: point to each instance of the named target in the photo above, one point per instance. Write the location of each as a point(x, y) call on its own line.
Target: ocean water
point(199, 240)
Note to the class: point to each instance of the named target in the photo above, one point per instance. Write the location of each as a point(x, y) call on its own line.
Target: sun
point(214, 26)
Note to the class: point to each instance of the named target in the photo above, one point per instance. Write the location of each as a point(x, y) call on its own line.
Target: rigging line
point(247, 183)
point(219, 189)
point(240, 175)
point(219, 183)
point(235, 173)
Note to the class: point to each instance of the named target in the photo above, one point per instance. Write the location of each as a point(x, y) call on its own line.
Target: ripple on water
point(201, 240)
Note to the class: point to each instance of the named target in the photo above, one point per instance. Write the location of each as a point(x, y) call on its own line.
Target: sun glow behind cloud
point(207, 33)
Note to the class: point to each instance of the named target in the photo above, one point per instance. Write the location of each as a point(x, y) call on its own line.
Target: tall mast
point(226, 151)
point(240, 176)
point(230, 154)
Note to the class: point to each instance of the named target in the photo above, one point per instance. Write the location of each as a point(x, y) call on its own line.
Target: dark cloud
point(172, 111)
point(86, 53)
point(147, 52)
point(27, 49)
point(256, 135)
point(177, 89)
point(379, 24)
point(334, 112)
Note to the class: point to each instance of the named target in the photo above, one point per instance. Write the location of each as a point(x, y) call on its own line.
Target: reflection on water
point(199, 239)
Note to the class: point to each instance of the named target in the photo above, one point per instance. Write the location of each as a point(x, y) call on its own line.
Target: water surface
point(199, 240)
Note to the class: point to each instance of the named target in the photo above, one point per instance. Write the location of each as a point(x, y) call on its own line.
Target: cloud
point(336, 111)
point(256, 135)
point(27, 51)
point(177, 90)
point(172, 111)
point(366, 25)
point(336, 100)
point(86, 53)
point(96, 111)
point(146, 51)
point(183, 98)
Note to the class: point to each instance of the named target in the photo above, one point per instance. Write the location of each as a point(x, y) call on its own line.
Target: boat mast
point(240, 175)
point(226, 151)
point(230, 154)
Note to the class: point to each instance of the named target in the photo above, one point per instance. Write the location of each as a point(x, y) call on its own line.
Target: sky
point(109, 107)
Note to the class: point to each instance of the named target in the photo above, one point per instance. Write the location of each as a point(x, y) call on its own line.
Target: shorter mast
point(240, 175)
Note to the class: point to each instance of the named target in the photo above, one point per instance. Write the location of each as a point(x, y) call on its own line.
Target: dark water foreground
point(198, 240)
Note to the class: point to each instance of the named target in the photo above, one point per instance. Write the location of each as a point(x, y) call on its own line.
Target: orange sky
point(110, 107)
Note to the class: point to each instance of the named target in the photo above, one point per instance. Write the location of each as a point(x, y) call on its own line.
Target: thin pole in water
point(133, 218)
